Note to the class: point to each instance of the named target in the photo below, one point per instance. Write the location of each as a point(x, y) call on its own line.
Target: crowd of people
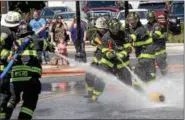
point(112, 55)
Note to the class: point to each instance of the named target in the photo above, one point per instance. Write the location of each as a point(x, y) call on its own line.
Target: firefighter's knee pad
point(99, 85)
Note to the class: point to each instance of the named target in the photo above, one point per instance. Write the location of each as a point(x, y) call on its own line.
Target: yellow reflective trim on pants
point(104, 50)
point(104, 61)
point(126, 45)
point(136, 83)
point(2, 115)
point(44, 45)
point(97, 92)
point(20, 79)
point(29, 53)
point(153, 74)
point(140, 43)
point(95, 60)
point(142, 55)
point(27, 111)
point(90, 88)
point(159, 33)
point(160, 52)
point(2, 67)
point(123, 65)
point(133, 37)
point(94, 97)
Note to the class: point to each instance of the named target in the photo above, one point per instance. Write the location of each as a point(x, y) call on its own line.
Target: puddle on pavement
point(64, 87)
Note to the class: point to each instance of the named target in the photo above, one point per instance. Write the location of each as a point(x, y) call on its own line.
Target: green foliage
point(26, 6)
point(176, 38)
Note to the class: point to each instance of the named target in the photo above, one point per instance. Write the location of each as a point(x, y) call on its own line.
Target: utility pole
point(126, 13)
point(78, 23)
point(4, 7)
point(80, 51)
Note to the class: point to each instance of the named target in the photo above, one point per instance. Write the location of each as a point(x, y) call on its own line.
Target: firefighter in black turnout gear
point(9, 27)
point(156, 31)
point(95, 85)
point(25, 75)
point(144, 50)
point(116, 50)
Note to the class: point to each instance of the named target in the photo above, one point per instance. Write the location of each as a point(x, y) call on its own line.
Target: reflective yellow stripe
point(126, 45)
point(136, 83)
point(4, 53)
point(95, 60)
point(29, 53)
point(123, 64)
point(27, 111)
point(90, 88)
point(124, 53)
point(28, 68)
point(2, 67)
point(94, 97)
point(97, 92)
point(153, 74)
point(104, 50)
point(20, 79)
point(19, 42)
point(2, 115)
point(149, 33)
point(140, 43)
point(133, 37)
point(160, 52)
point(146, 56)
point(104, 61)
point(2, 41)
point(159, 33)
point(108, 54)
point(44, 45)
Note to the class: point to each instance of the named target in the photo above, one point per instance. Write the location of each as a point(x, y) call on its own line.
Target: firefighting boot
point(89, 94)
point(93, 99)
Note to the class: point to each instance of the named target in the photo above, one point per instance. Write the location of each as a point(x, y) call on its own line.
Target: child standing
point(62, 49)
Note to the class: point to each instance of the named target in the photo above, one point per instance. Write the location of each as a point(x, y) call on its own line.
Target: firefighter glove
point(111, 54)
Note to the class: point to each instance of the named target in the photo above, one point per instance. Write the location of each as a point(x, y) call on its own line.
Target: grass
point(176, 38)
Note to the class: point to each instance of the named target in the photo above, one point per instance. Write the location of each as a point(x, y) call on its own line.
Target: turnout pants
point(4, 95)
point(161, 62)
point(31, 90)
point(145, 69)
point(95, 85)
point(122, 74)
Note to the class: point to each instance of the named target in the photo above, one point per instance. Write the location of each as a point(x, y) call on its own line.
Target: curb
point(75, 71)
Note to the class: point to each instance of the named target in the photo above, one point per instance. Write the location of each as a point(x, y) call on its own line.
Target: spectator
point(39, 27)
point(62, 49)
point(73, 36)
point(58, 31)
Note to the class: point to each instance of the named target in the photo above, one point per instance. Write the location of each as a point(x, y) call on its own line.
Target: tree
point(25, 6)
